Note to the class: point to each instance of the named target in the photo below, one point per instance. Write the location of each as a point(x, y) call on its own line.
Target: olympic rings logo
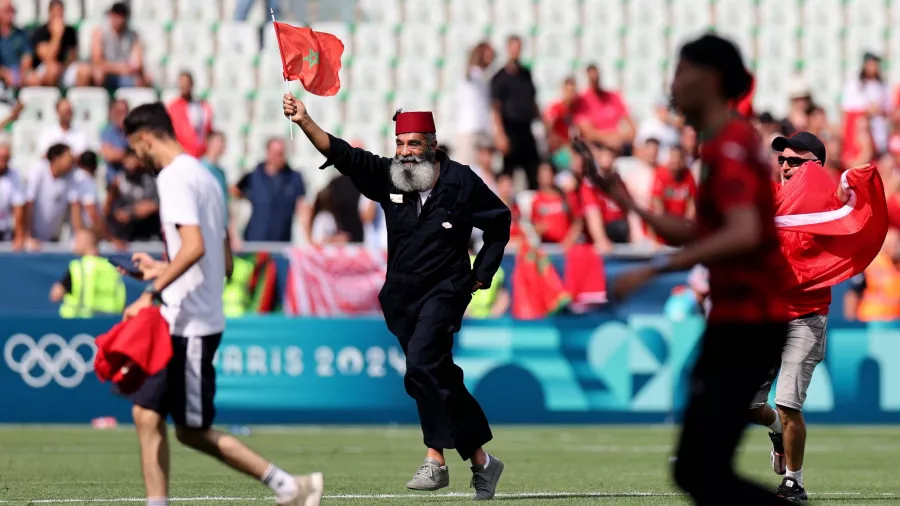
point(68, 357)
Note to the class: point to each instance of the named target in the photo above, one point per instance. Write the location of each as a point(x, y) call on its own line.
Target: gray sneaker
point(431, 476)
point(484, 481)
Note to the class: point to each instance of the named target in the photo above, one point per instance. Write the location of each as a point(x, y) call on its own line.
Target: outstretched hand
point(293, 108)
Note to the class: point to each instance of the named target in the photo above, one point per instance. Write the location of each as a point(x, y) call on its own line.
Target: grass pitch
point(369, 466)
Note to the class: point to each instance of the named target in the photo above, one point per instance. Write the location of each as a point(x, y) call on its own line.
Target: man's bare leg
point(151, 429)
point(794, 441)
point(767, 417)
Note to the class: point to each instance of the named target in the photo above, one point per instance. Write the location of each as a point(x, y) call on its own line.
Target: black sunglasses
point(794, 161)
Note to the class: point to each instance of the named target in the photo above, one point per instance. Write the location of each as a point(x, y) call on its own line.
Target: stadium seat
point(859, 40)
point(25, 135)
point(825, 81)
point(417, 76)
point(137, 96)
point(271, 70)
point(368, 107)
point(270, 41)
point(445, 108)
point(645, 42)
point(409, 100)
point(385, 12)
point(187, 62)
point(267, 106)
point(90, 105)
point(156, 47)
point(821, 45)
point(258, 13)
point(772, 86)
point(237, 73)
point(562, 15)
point(549, 73)
point(72, 11)
point(328, 111)
point(459, 40)
point(85, 33)
point(371, 75)
point(690, 19)
point(779, 15)
point(603, 16)
point(231, 110)
point(95, 10)
point(452, 71)
point(421, 41)
point(91, 133)
point(374, 42)
point(152, 10)
point(425, 12)
point(40, 104)
point(469, 13)
point(515, 16)
point(193, 38)
point(548, 44)
point(235, 38)
point(824, 14)
point(652, 14)
point(26, 13)
point(261, 133)
point(736, 20)
point(204, 11)
point(602, 47)
point(168, 95)
point(642, 85)
point(342, 10)
point(777, 45)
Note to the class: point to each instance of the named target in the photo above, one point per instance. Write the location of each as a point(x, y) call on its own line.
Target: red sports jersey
point(735, 173)
point(550, 208)
point(675, 195)
point(594, 198)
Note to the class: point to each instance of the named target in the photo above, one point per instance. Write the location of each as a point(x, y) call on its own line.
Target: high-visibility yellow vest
point(236, 297)
point(96, 288)
point(881, 298)
point(483, 300)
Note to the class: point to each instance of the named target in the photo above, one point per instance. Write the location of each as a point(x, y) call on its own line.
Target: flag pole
point(287, 84)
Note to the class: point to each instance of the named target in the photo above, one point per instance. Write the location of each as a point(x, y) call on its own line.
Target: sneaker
point(484, 481)
point(309, 491)
point(430, 476)
point(791, 490)
point(779, 463)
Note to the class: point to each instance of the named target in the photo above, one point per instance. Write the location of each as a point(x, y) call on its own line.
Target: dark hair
point(569, 80)
point(57, 150)
point(514, 38)
point(187, 73)
point(652, 140)
point(88, 161)
point(592, 66)
point(55, 2)
point(152, 118)
point(129, 151)
point(813, 109)
point(724, 57)
point(216, 133)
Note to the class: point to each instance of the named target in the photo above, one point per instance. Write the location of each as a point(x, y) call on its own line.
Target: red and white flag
point(825, 240)
point(334, 280)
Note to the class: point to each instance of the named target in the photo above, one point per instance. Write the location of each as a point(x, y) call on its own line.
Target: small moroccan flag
point(313, 58)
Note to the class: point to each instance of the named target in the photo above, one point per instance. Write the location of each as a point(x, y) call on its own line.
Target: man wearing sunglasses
point(805, 345)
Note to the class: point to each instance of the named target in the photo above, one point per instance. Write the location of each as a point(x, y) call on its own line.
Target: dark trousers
point(523, 152)
point(450, 416)
point(735, 359)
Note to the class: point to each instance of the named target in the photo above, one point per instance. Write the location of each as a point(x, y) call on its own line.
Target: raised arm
point(369, 172)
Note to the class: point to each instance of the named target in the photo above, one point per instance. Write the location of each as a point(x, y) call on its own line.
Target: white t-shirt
point(190, 195)
point(473, 104)
point(54, 134)
point(52, 198)
point(423, 196)
point(11, 196)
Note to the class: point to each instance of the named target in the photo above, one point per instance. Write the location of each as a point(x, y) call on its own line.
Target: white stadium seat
point(604, 15)
point(824, 14)
point(426, 12)
point(137, 96)
point(233, 158)
point(555, 43)
point(267, 106)
point(182, 62)
point(413, 101)
point(193, 38)
point(776, 45)
point(25, 135)
point(85, 34)
point(387, 12)
point(453, 71)
point(417, 76)
point(90, 105)
point(154, 38)
point(364, 106)
point(736, 19)
point(690, 19)
point(642, 85)
point(858, 41)
point(420, 41)
point(237, 38)
point(26, 12)
point(645, 42)
point(234, 72)
point(206, 11)
point(603, 48)
point(779, 15)
point(515, 16)
point(459, 40)
point(559, 14)
point(95, 10)
point(773, 79)
point(648, 13)
point(271, 70)
point(549, 73)
point(152, 10)
point(231, 109)
point(374, 42)
point(372, 75)
point(40, 104)
point(167, 95)
point(328, 111)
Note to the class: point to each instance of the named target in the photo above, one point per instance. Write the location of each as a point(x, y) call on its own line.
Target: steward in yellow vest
point(237, 297)
point(91, 286)
point(491, 302)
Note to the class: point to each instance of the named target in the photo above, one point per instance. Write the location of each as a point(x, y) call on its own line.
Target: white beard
point(418, 176)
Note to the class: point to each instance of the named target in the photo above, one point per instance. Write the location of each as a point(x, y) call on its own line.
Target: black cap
point(801, 141)
point(121, 9)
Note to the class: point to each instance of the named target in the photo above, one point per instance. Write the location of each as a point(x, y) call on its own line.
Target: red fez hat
point(414, 123)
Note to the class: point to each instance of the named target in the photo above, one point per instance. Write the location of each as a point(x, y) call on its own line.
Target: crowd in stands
point(91, 179)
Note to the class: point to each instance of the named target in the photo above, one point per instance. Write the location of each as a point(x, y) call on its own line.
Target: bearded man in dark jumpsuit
point(431, 204)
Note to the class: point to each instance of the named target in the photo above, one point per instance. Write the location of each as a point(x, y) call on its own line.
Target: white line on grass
point(523, 495)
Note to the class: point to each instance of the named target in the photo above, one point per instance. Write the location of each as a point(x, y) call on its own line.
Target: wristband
point(154, 293)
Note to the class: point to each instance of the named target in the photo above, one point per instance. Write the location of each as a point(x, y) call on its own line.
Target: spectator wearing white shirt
point(52, 194)
point(662, 126)
point(12, 202)
point(473, 104)
point(63, 132)
point(868, 94)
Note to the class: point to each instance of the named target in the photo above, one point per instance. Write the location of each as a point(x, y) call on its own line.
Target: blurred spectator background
point(510, 81)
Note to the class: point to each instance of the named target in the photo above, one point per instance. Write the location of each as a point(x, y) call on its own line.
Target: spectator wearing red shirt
point(674, 188)
point(734, 236)
point(191, 117)
point(604, 219)
point(558, 117)
point(602, 116)
point(506, 194)
point(553, 213)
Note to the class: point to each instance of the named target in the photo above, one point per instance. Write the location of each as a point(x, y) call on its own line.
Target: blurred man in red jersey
point(734, 236)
